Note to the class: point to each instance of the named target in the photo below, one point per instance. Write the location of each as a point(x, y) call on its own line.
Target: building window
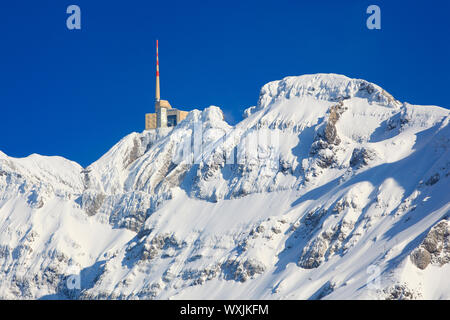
point(171, 121)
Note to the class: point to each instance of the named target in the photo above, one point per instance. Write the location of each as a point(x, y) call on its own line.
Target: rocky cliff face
point(329, 188)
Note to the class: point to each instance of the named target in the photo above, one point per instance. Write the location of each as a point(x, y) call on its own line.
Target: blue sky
point(76, 93)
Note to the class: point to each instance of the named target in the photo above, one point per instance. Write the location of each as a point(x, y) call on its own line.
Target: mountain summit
point(329, 188)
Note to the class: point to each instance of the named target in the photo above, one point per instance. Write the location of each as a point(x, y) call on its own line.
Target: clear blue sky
point(76, 93)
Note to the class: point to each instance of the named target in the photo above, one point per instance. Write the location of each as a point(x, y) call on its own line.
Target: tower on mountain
point(165, 115)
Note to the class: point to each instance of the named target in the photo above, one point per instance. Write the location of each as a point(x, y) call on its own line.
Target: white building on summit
point(165, 115)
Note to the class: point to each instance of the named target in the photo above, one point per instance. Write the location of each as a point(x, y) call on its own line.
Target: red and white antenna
point(157, 95)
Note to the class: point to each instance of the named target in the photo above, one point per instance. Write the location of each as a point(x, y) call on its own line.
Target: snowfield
point(329, 188)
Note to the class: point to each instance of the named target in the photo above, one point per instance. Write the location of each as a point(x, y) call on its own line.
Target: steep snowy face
point(131, 181)
point(118, 171)
point(308, 125)
point(323, 171)
point(36, 178)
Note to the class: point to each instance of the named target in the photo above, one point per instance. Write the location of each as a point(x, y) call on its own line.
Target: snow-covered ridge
point(324, 170)
point(330, 87)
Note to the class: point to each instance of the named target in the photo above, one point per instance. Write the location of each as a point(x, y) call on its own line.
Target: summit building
point(165, 115)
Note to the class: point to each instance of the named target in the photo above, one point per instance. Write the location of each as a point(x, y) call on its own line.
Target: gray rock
point(421, 258)
point(242, 271)
point(313, 254)
point(361, 157)
point(401, 292)
point(327, 138)
point(330, 130)
point(435, 248)
point(92, 201)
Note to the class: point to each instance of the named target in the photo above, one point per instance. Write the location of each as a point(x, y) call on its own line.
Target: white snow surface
point(338, 186)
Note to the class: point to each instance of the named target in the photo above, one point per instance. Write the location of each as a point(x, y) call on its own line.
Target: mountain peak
point(324, 86)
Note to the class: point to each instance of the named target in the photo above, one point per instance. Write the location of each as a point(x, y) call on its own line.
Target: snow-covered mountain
point(329, 188)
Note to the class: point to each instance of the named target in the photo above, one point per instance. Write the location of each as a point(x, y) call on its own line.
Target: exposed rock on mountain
point(434, 248)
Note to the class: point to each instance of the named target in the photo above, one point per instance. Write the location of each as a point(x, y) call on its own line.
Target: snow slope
point(329, 188)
